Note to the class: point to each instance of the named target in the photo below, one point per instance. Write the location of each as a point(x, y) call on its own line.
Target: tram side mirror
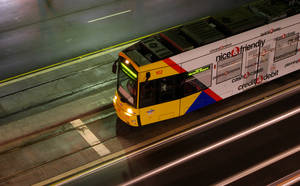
point(147, 76)
point(114, 67)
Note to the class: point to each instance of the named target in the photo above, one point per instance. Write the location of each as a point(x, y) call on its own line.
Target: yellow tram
point(188, 67)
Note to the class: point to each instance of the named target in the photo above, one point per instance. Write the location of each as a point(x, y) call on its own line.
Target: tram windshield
point(127, 83)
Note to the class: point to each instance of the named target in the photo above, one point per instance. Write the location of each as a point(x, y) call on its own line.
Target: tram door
point(159, 99)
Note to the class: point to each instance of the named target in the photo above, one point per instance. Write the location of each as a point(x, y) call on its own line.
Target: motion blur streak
point(260, 166)
point(216, 145)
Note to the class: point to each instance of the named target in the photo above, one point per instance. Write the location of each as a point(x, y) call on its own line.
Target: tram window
point(191, 85)
point(160, 90)
point(286, 46)
point(148, 93)
point(229, 68)
point(197, 80)
point(168, 89)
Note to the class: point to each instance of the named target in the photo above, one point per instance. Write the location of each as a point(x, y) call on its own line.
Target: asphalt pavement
point(38, 33)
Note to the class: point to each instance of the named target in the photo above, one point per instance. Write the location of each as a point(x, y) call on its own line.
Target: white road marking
point(112, 15)
point(92, 140)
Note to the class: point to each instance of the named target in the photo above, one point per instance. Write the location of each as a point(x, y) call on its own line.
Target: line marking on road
point(88, 135)
point(112, 15)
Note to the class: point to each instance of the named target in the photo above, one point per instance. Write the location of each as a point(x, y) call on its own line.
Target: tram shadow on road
point(134, 135)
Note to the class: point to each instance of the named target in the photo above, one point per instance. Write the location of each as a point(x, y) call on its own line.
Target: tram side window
point(197, 80)
point(148, 93)
point(229, 68)
point(286, 46)
point(191, 85)
point(169, 88)
point(160, 90)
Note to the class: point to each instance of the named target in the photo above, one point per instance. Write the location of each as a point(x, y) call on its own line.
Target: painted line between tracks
point(214, 146)
point(89, 137)
point(259, 166)
point(109, 16)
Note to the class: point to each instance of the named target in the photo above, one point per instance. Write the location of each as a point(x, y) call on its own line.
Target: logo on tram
point(237, 50)
point(258, 80)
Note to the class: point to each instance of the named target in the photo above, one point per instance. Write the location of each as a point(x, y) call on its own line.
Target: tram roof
point(210, 29)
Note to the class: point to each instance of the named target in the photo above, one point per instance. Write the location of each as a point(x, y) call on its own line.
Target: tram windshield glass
point(127, 83)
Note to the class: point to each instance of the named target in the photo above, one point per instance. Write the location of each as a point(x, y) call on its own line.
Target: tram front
point(125, 99)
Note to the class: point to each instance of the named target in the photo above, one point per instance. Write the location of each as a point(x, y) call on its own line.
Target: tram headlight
point(115, 99)
point(129, 112)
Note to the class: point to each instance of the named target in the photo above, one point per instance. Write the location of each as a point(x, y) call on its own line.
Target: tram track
point(81, 90)
point(125, 142)
point(109, 111)
point(59, 131)
point(147, 145)
point(212, 144)
point(235, 138)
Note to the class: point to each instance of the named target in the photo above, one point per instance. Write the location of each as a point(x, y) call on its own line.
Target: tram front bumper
point(125, 113)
